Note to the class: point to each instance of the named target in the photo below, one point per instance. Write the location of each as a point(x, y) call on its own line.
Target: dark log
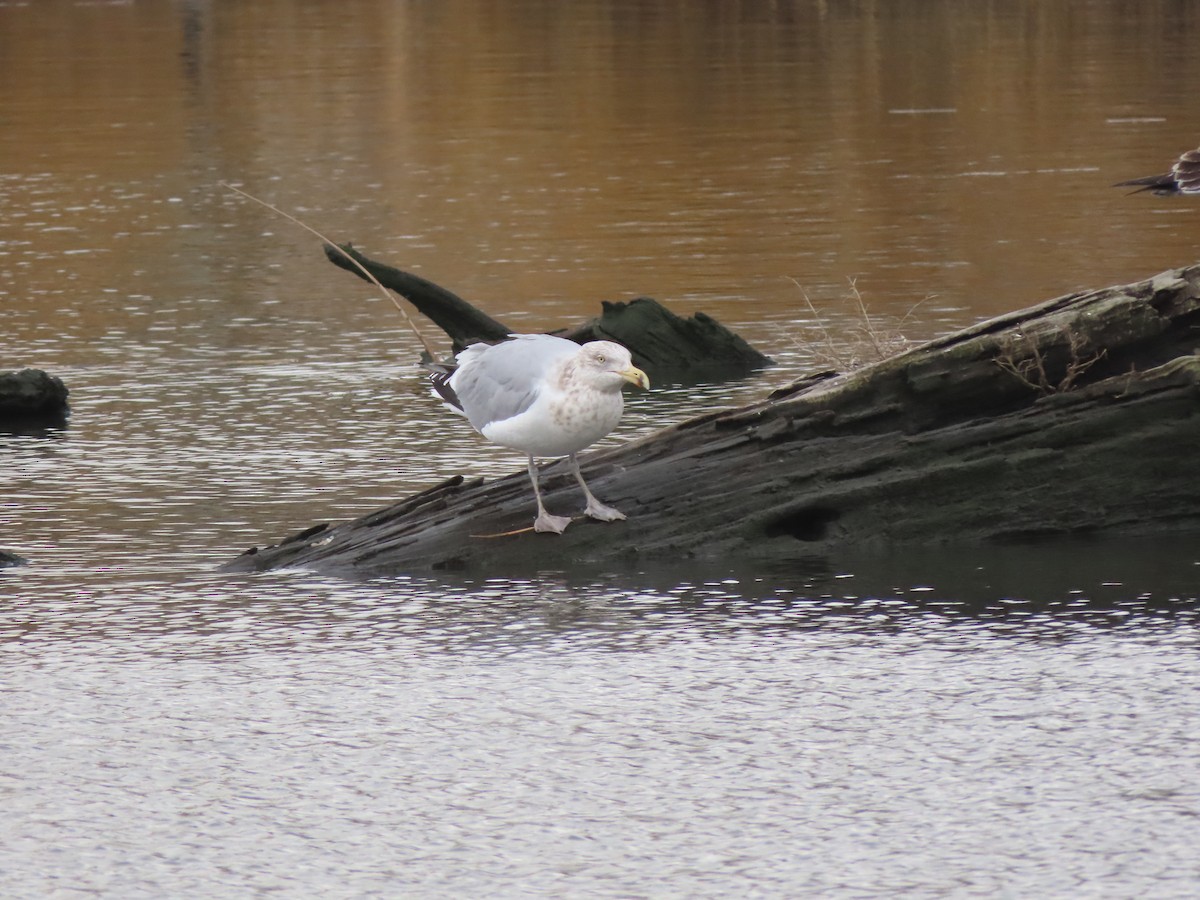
point(670, 348)
point(664, 345)
point(31, 401)
point(1077, 416)
point(459, 319)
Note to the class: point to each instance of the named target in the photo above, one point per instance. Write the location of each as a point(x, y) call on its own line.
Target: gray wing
point(498, 381)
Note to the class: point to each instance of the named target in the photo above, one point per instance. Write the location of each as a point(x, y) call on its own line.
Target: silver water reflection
point(717, 735)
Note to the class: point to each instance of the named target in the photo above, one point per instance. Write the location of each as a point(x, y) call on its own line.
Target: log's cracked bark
point(1077, 416)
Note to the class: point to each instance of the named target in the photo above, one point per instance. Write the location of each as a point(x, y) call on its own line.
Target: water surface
point(1016, 721)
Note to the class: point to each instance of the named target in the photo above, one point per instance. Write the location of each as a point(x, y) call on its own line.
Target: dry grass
point(867, 341)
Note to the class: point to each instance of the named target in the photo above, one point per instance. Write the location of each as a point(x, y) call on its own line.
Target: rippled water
point(560, 737)
point(1014, 721)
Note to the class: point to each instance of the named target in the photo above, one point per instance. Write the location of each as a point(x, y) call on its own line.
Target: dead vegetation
point(1023, 358)
point(867, 341)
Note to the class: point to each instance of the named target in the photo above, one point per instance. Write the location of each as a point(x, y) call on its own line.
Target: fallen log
point(1077, 416)
point(666, 346)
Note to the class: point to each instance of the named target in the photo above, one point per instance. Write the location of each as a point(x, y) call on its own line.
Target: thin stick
point(396, 303)
point(813, 310)
point(866, 317)
point(503, 533)
point(524, 530)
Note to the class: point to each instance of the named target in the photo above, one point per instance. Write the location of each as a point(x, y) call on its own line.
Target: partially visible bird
point(544, 396)
point(1184, 178)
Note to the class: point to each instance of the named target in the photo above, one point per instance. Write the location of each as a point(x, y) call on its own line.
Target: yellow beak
point(634, 375)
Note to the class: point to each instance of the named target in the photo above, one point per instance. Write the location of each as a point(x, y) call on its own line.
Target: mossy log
point(1077, 416)
point(31, 400)
point(668, 347)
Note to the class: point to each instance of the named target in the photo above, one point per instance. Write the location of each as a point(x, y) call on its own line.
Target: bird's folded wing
point(501, 381)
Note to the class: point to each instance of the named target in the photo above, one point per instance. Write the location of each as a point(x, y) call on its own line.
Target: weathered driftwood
point(666, 346)
point(31, 400)
point(1077, 416)
point(669, 348)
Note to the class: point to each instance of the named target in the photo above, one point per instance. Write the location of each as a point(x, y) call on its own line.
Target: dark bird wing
point(1184, 178)
point(439, 378)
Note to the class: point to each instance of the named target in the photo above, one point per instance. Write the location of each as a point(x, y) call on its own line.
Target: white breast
point(559, 423)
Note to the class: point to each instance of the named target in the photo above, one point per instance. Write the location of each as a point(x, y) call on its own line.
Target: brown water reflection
point(539, 157)
point(954, 160)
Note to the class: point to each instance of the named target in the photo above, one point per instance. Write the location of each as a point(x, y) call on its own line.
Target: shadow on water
point(1047, 592)
point(1053, 592)
point(50, 426)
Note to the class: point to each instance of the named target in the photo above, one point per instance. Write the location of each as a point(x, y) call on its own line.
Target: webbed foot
point(598, 510)
point(554, 524)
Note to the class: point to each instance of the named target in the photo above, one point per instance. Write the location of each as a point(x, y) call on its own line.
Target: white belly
point(558, 425)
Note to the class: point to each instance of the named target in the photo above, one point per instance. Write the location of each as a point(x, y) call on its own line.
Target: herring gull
point(1184, 178)
point(544, 396)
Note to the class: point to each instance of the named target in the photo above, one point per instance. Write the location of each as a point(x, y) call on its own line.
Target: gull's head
point(608, 365)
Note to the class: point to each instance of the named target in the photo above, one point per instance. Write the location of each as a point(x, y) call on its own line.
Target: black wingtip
point(1160, 184)
point(440, 379)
